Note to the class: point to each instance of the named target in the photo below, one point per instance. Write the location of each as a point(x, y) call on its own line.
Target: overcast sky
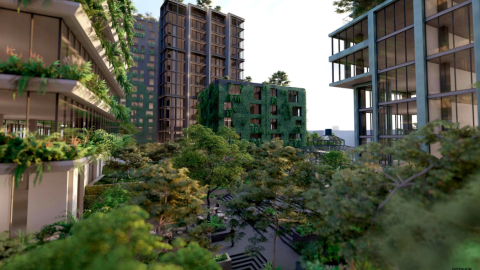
point(291, 36)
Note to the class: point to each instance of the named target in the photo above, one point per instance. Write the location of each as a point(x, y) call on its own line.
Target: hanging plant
point(298, 129)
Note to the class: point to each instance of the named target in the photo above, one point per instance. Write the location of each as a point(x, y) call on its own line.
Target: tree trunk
point(208, 198)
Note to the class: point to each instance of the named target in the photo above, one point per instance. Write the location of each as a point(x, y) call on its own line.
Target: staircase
point(244, 262)
point(286, 237)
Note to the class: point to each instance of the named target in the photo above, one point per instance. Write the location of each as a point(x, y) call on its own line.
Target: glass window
point(408, 12)
point(365, 94)
point(434, 6)
point(381, 23)
point(390, 51)
point(389, 20)
point(410, 44)
point(400, 47)
point(366, 123)
point(460, 109)
point(451, 72)
point(382, 64)
point(399, 15)
point(15, 33)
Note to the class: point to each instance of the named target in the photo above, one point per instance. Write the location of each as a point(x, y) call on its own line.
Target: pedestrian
point(232, 235)
point(217, 205)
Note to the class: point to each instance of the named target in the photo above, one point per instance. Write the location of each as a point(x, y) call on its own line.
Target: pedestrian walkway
point(286, 257)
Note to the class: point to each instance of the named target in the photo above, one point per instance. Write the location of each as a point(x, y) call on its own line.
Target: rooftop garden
point(355, 7)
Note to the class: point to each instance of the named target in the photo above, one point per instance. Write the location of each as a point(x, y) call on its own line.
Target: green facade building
point(259, 112)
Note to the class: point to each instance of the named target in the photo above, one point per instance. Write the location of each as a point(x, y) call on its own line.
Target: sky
point(290, 36)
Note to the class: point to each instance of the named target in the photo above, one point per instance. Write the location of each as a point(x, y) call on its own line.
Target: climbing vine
point(211, 112)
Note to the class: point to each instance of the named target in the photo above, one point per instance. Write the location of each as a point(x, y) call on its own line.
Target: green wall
point(211, 111)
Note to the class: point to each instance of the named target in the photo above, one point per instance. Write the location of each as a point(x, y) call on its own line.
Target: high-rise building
point(144, 75)
point(409, 62)
point(196, 46)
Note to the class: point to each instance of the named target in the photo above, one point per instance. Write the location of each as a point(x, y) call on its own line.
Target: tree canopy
point(279, 78)
point(356, 7)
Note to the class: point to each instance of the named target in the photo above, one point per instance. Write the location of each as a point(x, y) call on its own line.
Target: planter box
point(226, 265)
point(34, 205)
point(297, 238)
point(220, 235)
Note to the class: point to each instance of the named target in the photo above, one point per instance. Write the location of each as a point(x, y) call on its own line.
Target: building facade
point(59, 33)
point(409, 62)
point(196, 46)
point(258, 112)
point(144, 75)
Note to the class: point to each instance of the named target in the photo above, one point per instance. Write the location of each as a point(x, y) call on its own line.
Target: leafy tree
point(269, 181)
point(365, 204)
point(311, 136)
point(132, 157)
point(279, 78)
point(214, 160)
point(120, 239)
point(356, 7)
point(110, 199)
point(104, 241)
point(157, 152)
point(248, 79)
point(218, 8)
point(204, 3)
point(336, 159)
point(168, 195)
point(226, 77)
point(127, 129)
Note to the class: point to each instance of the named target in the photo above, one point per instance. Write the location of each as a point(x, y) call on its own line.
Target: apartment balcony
point(78, 22)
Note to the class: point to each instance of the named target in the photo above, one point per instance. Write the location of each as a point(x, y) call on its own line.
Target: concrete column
point(356, 117)
point(1, 122)
point(5, 197)
point(83, 181)
point(72, 191)
point(32, 126)
point(47, 200)
point(372, 53)
point(228, 44)
point(420, 62)
point(476, 32)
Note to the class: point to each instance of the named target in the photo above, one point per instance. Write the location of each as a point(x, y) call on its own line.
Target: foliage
point(374, 211)
point(311, 136)
point(30, 153)
point(61, 229)
point(132, 157)
point(111, 198)
point(168, 194)
point(356, 7)
point(103, 241)
point(216, 222)
point(149, 16)
point(10, 247)
point(336, 159)
point(157, 152)
point(214, 160)
point(270, 181)
point(73, 69)
point(192, 257)
point(305, 229)
point(279, 78)
point(318, 252)
point(211, 113)
point(120, 15)
point(248, 79)
point(220, 258)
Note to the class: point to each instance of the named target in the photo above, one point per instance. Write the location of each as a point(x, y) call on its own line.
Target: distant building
point(258, 112)
point(144, 75)
point(197, 46)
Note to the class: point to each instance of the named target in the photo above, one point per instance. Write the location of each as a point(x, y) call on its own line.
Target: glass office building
point(409, 62)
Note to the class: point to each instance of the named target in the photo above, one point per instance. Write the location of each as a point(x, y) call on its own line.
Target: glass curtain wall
point(350, 66)
point(351, 36)
point(397, 109)
point(172, 74)
point(365, 111)
point(451, 74)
